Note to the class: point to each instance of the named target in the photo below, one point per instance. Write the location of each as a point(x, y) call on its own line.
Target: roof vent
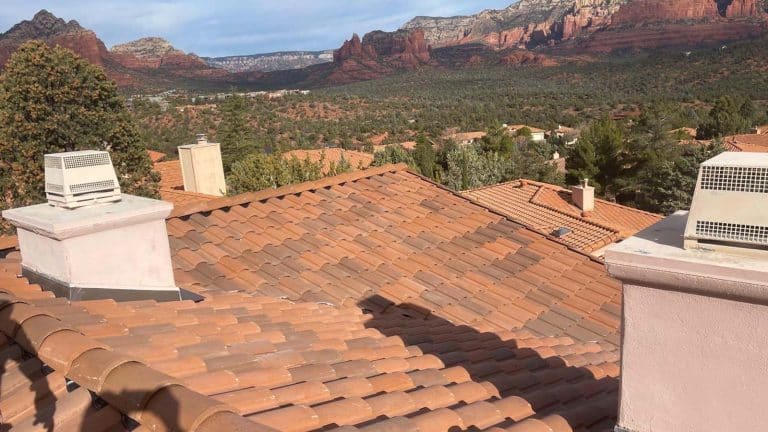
point(730, 203)
point(561, 232)
point(79, 178)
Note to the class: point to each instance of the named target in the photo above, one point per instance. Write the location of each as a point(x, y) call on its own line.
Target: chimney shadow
point(575, 391)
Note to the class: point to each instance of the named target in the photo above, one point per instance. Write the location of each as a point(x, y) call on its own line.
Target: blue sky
point(228, 27)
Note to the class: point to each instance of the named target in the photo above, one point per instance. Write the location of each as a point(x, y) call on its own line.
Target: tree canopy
point(53, 101)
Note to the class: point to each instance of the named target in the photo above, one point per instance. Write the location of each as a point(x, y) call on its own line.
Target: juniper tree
point(53, 101)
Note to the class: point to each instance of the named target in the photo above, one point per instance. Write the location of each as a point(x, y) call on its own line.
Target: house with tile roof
point(332, 156)
point(553, 210)
point(755, 143)
point(375, 300)
point(537, 135)
point(466, 138)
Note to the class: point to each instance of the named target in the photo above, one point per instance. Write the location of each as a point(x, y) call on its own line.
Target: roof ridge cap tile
point(122, 380)
point(293, 189)
point(547, 235)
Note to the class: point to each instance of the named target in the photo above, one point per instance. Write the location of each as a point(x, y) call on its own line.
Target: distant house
point(579, 220)
point(558, 162)
point(466, 138)
point(537, 135)
point(564, 132)
point(356, 159)
point(684, 131)
point(760, 130)
point(757, 143)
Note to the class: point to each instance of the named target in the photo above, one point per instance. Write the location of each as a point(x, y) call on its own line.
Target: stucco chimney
point(116, 250)
point(584, 197)
point(693, 351)
point(202, 168)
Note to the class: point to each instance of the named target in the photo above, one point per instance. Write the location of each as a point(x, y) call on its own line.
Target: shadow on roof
point(564, 381)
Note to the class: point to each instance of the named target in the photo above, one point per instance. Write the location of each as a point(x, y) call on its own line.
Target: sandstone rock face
point(277, 61)
point(378, 54)
point(54, 31)
point(535, 23)
point(526, 24)
point(155, 53)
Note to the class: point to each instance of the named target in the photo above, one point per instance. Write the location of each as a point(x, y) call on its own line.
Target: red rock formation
point(378, 54)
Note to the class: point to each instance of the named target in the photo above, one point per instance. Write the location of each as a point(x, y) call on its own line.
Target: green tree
point(598, 156)
point(259, 171)
point(468, 167)
point(393, 154)
point(667, 185)
point(726, 118)
point(424, 156)
point(235, 132)
point(53, 101)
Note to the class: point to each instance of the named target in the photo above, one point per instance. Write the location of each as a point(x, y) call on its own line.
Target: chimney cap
point(80, 178)
point(201, 138)
point(724, 211)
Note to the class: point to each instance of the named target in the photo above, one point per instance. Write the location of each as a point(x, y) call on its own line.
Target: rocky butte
point(54, 31)
point(632, 23)
point(379, 53)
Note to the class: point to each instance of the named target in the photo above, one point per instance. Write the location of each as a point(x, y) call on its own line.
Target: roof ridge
point(293, 189)
point(94, 366)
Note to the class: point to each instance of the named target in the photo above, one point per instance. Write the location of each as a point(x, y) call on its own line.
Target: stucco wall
point(693, 363)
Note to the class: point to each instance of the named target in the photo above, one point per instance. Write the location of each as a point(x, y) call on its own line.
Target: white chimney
point(202, 168)
point(693, 350)
point(584, 197)
point(115, 250)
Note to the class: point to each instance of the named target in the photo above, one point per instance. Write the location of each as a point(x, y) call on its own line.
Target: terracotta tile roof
point(467, 136)
point(8, 242)
point(356, 159)
point(388, 232)
point(172, 185)
point(375, 300)
point(241, 362)
point(155, 156)
point(757, 143)
point(181, 198)
point(546, 208)
point(517, 127)
point(170, 174)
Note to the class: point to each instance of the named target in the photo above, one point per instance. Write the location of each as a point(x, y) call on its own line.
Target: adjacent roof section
point(172, 183)
point(755, 143)
point(387, 236)
point(155, 156)
point(547, 208)
point(356, 159)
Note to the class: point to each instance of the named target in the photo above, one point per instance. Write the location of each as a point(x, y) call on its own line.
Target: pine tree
point(53, 101)
point(424, 156)
point(598, 156)
point(235, 133)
